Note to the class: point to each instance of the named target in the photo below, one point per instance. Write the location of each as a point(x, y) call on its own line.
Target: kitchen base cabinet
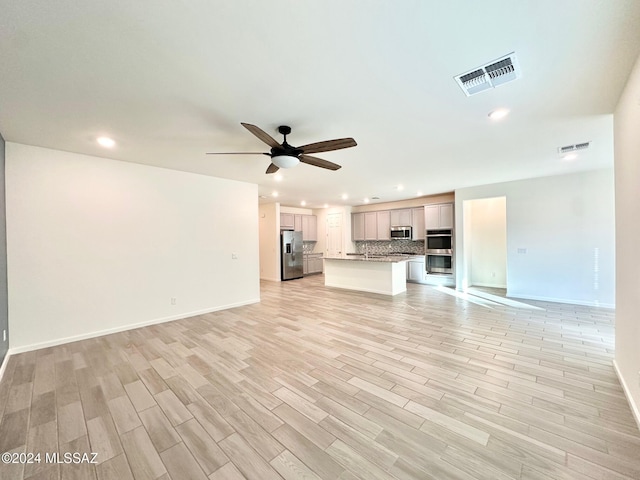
point(313, 263)
point(415, 271)
point(374, 276)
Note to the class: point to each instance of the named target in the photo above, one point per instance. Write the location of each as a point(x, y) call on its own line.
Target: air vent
point(496, 73)
point(573, 148)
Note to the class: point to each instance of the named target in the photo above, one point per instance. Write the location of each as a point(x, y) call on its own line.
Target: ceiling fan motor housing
point(284, 130)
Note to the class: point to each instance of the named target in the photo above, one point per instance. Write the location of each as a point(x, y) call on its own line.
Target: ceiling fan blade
point(328, 145)
point(237, 153)
point(261, 134)
point(273, 168)
point(318, 162)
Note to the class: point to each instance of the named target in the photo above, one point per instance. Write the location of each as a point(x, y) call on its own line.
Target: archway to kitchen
point(485, 243)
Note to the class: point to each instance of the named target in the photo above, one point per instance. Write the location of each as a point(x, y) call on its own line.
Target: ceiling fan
point(286, 156)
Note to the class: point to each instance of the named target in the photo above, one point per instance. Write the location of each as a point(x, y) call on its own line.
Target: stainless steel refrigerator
point(290, 254)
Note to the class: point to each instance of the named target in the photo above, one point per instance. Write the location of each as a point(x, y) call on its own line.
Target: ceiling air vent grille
point(498, 72)
point(573, 148)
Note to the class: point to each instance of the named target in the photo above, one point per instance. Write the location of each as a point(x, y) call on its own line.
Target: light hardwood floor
point(317, 383)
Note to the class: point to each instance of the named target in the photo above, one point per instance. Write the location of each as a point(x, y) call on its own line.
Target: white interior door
point(334, 235)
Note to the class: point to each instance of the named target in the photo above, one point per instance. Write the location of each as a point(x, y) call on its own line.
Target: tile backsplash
point(307, 247)
point(390, 246)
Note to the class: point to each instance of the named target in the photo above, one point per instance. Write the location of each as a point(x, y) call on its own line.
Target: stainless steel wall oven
point(439, 241)
point(439, 264)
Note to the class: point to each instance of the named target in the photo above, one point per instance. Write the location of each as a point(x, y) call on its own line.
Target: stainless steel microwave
point(401, 233)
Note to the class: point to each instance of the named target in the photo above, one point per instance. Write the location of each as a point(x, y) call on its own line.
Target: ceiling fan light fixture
point(285, 161)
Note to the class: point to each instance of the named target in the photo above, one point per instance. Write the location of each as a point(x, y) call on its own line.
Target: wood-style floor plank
point(320, 383)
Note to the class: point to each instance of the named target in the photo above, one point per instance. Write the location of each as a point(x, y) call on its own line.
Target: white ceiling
point(170, 80)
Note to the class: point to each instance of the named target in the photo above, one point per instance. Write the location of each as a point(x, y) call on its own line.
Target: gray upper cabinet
point(307, 224)
point(417, 223)
point(438, 216)
point(401, 218)
point(371, 226)
point(309, 228)
point(357, 226)
point(383, 225)
point(287, 221)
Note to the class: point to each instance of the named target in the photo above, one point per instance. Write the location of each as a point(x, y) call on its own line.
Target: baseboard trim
point(108, 331)
point(489, 285)
point(635, 409)
point(5, 362)
point(562, 300)
point(271, 279)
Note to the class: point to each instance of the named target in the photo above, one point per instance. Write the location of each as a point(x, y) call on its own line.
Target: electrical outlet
point(234, 256)
point(522, 250)
point(173, 300)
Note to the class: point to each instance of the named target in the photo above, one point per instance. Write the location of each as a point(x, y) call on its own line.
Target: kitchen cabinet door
point(401, 218)
point(370, 226)
point(432, 217)
point(446, 215)
point(415, 271)
point(297, 223)
point(309, 228)
point(357, 226)
point(315, 264)
point(438, 216)
point(383, 220)
point(287, 221)
point(417, 223)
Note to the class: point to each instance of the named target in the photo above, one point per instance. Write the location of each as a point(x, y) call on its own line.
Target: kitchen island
point(385, 275)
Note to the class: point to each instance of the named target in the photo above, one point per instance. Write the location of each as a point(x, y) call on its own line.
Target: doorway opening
point(485, 243)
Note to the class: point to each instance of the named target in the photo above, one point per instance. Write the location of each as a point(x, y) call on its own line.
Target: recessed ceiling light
point(326, 205)
point(400, 188)
point(498, 113)
point(345, 196)
point(106, 142)
point(419, 193)
point(570, 156)
point(303, 203)
point(366, 200)
point(274, 194)
point(277, 177)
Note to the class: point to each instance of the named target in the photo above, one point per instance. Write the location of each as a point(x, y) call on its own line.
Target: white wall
point(97, 245)
point(487, 234)
point(270, 241)
point(627, 181)
point(565, 224)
